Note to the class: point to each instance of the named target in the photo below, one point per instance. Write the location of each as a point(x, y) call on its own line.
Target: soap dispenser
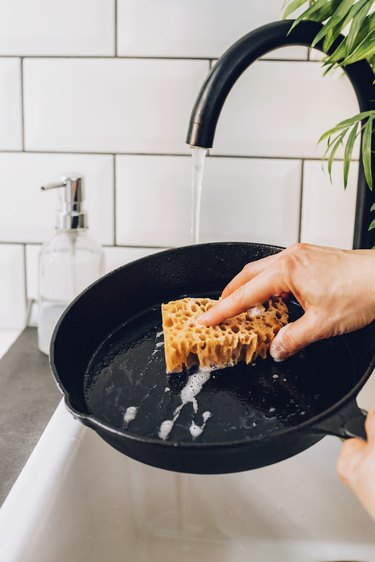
point(69, 262)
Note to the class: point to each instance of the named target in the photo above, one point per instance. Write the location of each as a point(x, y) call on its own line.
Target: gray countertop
point(28, 398)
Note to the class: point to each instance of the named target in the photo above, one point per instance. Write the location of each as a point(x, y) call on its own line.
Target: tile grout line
point(169, 154)
point(114, 201)
point(301, 199)
point(125, 57)
point(22, 106)
point(120, 246)
point(144, 57)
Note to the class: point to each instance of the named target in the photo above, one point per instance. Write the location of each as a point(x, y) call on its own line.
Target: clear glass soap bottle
point(69, 262)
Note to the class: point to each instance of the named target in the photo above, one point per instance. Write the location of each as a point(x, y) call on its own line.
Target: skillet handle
point(348, 423)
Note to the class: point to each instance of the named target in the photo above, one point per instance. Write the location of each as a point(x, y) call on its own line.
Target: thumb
point(294, 336)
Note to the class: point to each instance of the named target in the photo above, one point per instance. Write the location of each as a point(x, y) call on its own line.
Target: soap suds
point(130, 414)
point(195, 429)
point(256, 311)
point(188, 395)
point(157, 346)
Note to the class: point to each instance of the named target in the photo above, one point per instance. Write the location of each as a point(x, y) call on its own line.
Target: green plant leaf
point(348, 153)
point(328, 69)
point(330, 144)
point(335, 21)
point(371, 227)
point(365, 49)
point(329, 39)
point(338, 54)
point(341, 52)
point(333, 153)
point(315, 7)
point(333, 34)
point(366, 151)
point(293, 6)
point(372, 207)
point(356, 25)
point(321, 14)
point(346, 123)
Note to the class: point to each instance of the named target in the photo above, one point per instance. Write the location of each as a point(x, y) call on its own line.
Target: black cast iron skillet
point(105, 359)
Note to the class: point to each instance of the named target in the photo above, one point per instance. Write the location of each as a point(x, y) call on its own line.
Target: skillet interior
point(128, 370)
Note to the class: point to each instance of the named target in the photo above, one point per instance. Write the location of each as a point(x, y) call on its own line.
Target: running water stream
point(198, 155)
point(183, 499)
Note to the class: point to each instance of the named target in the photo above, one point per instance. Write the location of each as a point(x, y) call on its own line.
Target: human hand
point(336, 289)
point(356, 466)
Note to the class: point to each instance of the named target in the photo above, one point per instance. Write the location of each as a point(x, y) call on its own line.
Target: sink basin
point(79, 500)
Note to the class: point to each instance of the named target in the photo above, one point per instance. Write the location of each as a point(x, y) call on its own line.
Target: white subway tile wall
point(153, 200)
point(251, 200)
point(32, 216)
point(105, 88)
point(281, 109)
point(198, 28)
point(113, 105)
point(235, 202)
point(116, 257)
point(45, 27)
point(10, 104)
point(327, 206)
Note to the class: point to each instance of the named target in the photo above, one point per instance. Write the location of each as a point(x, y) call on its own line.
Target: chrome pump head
point(72, 214)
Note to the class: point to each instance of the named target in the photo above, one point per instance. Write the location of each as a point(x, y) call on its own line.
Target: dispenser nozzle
point(72, 214)
point(52, 186)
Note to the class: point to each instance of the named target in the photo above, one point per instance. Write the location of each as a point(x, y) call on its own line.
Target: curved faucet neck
point(240, 56)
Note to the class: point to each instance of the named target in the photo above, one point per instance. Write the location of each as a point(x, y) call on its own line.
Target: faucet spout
point(240, 56)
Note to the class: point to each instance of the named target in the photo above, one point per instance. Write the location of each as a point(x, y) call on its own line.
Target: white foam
point(193, 387)
point(130, 414)
point(197, 430)
point(166, 428)
point(256, 311)
point(188, 395)
point(157, 346)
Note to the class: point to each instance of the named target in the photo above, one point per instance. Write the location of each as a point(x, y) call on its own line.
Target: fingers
point(247, 273)
point(350, 457)
point(253, 293)
point(295, 336)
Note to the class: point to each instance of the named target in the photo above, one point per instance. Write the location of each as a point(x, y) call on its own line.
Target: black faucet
point(239, 57)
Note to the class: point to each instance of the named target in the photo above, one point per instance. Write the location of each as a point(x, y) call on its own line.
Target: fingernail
point(278, 352)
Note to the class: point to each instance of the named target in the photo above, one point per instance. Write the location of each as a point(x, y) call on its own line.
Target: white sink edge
point(62, 435)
